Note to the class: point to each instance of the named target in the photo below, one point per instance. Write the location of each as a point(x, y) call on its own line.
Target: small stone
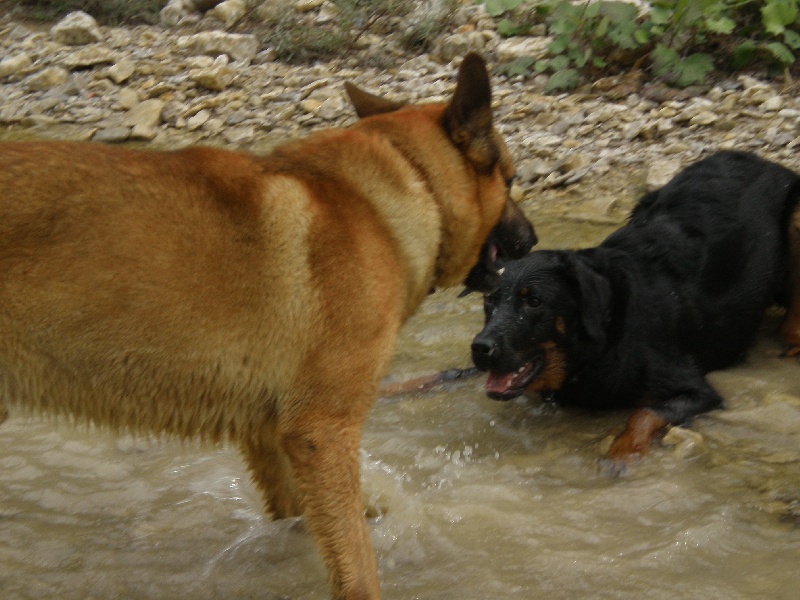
point(229, 12)
point(238, 46)
point(514, 48)
point(112, 135)
point(215, 78)
point(308, 5)
point(531, 170)
point(76, 29)
point(661, 172)
point(47, 79)
point(145, 115)
point(704, 118)
point(127, 98)
point(122, 70)
point(14, 64)
point(88, 57)
point(198, 120)
point(458, 45)
point(311, 106)
point(772, 104)
point(239, 136)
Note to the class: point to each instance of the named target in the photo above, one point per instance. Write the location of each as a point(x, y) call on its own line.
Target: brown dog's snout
point(514, 233)
point(512, 237)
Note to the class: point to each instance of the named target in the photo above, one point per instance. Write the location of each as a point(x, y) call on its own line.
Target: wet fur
point(678, 291)
point(213, 294)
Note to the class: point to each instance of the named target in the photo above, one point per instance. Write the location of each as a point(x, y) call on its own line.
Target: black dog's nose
point(483, 349)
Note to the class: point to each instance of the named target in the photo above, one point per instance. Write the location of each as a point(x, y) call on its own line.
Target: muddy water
point(477, 499)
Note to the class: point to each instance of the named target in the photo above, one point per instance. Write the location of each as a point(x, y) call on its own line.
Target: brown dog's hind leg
point(790, 328)
point(324, 453)
point(272, 475)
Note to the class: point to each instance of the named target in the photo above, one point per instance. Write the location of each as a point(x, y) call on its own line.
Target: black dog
point(680, 290)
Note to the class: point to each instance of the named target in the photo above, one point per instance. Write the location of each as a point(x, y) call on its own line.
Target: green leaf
point(558, 45)
point(495, 8)
point(661, 15)
point(566, 79)
point(791, 39)
point(619, 12)
point(694, 69)
point(723, 25)
point(642, 36)
point(506, 28)
point(666, 63)
point(781, 52)
point(602, 27)
point(541, 66)
point(581, 60)
point(777, 14)
point(742, 55)
point(559, 63)
point(622, 35)
point(599, 63)
point(519, 66)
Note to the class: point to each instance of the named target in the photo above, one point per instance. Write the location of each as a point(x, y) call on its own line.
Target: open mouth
point(505, 386)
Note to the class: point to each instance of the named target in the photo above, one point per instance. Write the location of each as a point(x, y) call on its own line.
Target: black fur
point(680, 290)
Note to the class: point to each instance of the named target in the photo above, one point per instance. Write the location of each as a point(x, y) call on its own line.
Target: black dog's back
point(710, 241)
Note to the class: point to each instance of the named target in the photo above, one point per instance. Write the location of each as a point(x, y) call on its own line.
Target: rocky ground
point(585, 155)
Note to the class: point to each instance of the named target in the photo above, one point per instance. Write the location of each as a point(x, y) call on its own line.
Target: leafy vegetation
point(293, 40)
point(107, 12)
point(681, 42)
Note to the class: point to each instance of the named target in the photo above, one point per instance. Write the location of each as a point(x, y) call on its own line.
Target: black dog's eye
point(533, 301)
point(529, 299)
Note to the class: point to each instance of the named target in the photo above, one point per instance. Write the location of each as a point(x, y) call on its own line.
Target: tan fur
point(214, 294)
point(555, 370)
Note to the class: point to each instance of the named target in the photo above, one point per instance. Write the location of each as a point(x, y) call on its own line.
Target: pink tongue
point(499, 382)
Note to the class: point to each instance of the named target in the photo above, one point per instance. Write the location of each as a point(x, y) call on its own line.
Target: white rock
point(122, 70)
point(145, 115)
point(48, 78)
point(308, 5)
point(229, 12)
point(76, 29)
point(511, 49)
point(14, 64)
point(238, 46)
point(661, 172)
point(772, 104)
point(458, 44)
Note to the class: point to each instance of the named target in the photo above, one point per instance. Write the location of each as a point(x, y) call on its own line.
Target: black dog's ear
point(594, 298)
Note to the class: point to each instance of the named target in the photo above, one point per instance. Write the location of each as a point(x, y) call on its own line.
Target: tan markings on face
point(555, 370)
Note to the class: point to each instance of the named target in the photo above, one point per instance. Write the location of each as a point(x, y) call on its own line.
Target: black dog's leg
point(677, 395)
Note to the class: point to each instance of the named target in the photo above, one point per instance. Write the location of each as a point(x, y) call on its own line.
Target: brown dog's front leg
point(635, 440)
point(324, 458)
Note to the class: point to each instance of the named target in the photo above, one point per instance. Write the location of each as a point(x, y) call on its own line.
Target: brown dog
point(214, 294)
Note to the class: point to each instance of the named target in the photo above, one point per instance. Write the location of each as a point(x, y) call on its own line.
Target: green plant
point(107, 12)
point(681, 41)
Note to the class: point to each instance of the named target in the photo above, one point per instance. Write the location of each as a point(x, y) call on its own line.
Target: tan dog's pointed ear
point(367, 104)
point(468, 117)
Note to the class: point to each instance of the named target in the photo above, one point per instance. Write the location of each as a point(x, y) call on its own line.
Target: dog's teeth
point(501, 271)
